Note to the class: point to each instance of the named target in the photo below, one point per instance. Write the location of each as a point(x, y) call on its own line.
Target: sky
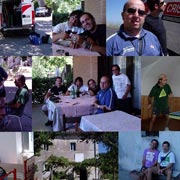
point(113, 11)
point(102, 148)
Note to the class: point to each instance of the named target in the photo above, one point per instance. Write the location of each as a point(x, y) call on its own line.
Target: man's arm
point(99, 49)
point(61, 35)
point(127, 91)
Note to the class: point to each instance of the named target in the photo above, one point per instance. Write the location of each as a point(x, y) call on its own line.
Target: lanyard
point(140, 46)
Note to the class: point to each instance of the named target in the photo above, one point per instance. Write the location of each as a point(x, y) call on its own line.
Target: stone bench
point(175, 176)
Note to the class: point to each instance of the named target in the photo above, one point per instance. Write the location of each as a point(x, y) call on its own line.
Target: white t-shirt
point(169, 159)
point(83, 88)
point(61, 27)
point(120, 83)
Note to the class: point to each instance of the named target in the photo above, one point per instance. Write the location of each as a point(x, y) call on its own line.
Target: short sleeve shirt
point(151, 157)
point(83, 88)
point(169, 159)
point(121, 44)
point(55, 90)
point(106, 97)
point(20, 96)
point(160, 95)
point(120, 83)
point(61, 27)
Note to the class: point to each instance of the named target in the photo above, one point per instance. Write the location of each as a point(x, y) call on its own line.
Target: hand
point(64, 35)
point(89, 40)
point(124, 96)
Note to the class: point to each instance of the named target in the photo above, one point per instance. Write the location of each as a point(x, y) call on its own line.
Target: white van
point(171, 18)
point(16, 15)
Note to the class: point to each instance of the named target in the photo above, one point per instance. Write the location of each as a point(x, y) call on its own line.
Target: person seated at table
point(78, 87)
point(16, 106)
point(63, 30)
point(57, 89)
point(106, 98)
point(94, 36)
point(93, 88)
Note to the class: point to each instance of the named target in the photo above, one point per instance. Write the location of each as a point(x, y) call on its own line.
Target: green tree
point(42, 141)
point(107, 162)
point(66, 7)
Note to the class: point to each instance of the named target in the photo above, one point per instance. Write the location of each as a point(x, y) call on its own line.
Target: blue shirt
point(121, 44)
point(106, 97)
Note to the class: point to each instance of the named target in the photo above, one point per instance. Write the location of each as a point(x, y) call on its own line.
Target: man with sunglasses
point(132, 39)
point(155, 24)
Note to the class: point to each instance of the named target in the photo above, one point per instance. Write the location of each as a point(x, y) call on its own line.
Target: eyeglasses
point(161, 3)
point(133, 11)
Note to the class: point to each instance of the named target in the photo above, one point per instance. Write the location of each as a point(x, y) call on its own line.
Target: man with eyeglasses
point(155, 24)
point(122, 87)
point(132, 39)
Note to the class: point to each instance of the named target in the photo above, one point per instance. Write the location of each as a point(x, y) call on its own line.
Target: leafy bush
point(59, 18)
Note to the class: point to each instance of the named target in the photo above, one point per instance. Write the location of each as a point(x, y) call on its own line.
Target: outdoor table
point(111, 121)
point(70, 108)
point(59, 50)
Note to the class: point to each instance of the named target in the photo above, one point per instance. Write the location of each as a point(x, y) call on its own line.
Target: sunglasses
point(161, 3)
point(133, 11)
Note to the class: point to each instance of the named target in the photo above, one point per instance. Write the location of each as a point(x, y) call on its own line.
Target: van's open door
point(27, 15)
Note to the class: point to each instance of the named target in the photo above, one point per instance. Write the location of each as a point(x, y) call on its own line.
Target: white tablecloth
point(72, 52)
point(112, 121)
point(70, 107)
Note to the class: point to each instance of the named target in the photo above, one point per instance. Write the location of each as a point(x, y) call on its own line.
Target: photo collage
point(89, 89)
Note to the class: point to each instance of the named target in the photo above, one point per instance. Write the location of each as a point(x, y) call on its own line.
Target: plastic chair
point(14, 115)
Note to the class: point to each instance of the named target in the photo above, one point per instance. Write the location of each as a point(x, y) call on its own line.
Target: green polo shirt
point(160, 95)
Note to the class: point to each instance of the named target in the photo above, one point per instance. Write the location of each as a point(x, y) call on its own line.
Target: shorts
point(157, 111)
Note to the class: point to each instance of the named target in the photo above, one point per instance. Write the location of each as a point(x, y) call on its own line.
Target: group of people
point(139, 35)
point(157, 163)
point(112, 92)
point(17, 104)
point(82, 29)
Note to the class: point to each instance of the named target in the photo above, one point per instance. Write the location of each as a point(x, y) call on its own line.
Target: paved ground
point(39, 119)
point(20, 45)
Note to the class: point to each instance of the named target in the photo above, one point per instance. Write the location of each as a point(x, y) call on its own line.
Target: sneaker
point(49, 123)
point(166, 129)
